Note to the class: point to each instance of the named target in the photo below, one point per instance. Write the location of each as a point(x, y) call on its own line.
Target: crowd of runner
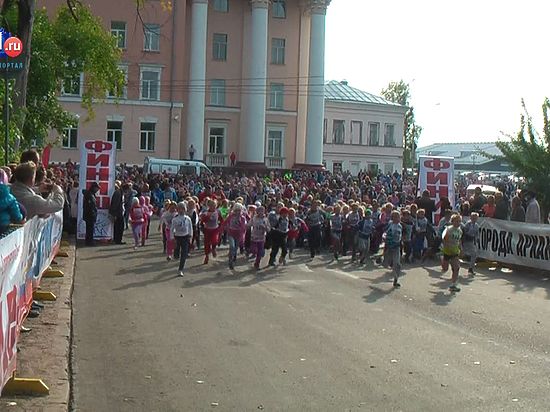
point(370, 219)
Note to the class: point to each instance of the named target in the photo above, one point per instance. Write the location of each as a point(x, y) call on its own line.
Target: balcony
point(275, 162)
point(217, 160)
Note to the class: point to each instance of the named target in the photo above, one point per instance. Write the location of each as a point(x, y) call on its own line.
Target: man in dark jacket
point(428, 204)
point(116, 210)
point(90, 212)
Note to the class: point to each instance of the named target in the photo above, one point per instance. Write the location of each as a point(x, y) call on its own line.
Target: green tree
point(528, 153)
point(73, 42)
point(399, 92)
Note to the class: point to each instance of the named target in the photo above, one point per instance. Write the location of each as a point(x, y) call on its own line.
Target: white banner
point(24, 256)
point(436, 174)
point(516, 243)
point(97, 164)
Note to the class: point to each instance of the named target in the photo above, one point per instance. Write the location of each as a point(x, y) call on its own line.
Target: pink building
point(242, 76)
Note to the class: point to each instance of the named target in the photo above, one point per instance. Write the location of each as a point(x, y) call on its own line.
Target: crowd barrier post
point(25, 386)
point(53, 273)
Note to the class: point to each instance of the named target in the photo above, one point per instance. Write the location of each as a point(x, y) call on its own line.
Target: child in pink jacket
point(137, 219)
point(235, 224)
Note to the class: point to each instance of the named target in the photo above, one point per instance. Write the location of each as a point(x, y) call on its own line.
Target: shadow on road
point(159, 278)
point(441, 298)
point(376, 294)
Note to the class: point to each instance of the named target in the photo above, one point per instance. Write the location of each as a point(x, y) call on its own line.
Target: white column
point(253, 147)
point(197, 79)
point(316, 80)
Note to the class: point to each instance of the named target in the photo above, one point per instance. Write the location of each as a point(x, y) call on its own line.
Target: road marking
point(305, 268)
point(340, 272)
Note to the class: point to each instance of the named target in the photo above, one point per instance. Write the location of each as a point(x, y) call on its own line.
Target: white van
point(154, 166)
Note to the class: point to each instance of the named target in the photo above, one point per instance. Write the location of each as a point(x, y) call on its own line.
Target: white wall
point(355, 154)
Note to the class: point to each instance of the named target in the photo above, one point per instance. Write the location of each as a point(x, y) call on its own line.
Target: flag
point(46, 156)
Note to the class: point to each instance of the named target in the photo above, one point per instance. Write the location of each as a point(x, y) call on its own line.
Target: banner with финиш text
point(515, 243)
point(436, 174)
point(97, 164)
point(24, 256)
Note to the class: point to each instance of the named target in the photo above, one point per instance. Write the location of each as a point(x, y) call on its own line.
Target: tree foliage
point(73, 42)
point(399, 92)
point(528, 153)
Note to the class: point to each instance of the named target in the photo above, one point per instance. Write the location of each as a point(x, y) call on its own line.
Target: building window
point(72, 86)
point(147, 136)
point(221, 5)
point(276, 96)
point(114, 133)
point(325, 127)
point(118, 30)
point(274, 143)
point(373, 168)
point(217, 92)
point(278, 51)
point(389, 138)
point(152, 37)
point(216, 140)
point(122, 94)
point(70, 137)
point(220, 46)
point(336, 167)
point(338, 131)
point(279, 9)
point(388, 168)
point(356, 132)
point(374, 132)
point(150, 84)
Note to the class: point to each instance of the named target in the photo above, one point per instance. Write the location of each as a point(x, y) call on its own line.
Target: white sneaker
point(181, 273)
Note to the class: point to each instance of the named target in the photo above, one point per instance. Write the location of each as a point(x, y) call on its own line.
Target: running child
point(259, 228)
point(279, 237)
point(166, 223)
point(235, 226)
point(470, 240)
point(451, 239)
point(365, 230)
point(211, 218)
point(394, 236)
point(182, 230)
point(137, 219)
point(336, 227)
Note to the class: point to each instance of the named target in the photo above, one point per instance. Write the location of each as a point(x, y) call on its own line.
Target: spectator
point(428, 204)
point(191, 152)
point(479, 200)
point(32, 155)
point(532, 214)
point(116, 210)
point(502, 209)
point(489, 208)
point(90, 212)
point(36, 205)
point(518, 212)
point(9, 208)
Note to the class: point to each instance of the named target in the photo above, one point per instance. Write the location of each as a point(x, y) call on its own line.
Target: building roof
point(463, 153)
point(342, 92)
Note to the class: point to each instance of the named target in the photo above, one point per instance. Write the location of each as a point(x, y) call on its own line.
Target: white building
point(361, 131)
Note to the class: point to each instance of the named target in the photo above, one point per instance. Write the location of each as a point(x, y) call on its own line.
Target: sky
point(468, 63)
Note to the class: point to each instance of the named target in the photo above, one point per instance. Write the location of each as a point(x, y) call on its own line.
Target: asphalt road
point(311, 336)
